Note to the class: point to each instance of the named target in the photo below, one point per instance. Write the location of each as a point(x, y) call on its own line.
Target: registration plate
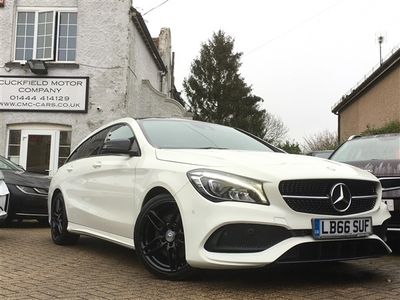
point(341, 228)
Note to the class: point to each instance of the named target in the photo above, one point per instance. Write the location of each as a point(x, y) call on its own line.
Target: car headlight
point(219, 186)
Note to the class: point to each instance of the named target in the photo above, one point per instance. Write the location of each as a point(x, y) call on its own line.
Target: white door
point(39, 151)
point(99, 187)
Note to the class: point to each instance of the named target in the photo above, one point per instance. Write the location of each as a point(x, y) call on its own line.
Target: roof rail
point(354, 136)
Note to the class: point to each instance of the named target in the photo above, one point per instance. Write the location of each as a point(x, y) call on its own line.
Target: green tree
point(290, 147)
point(217, 92)
point(389, 127)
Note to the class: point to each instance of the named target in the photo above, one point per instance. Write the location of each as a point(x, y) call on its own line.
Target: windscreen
point(185, 134)
point(8, 165)
point(371, 148)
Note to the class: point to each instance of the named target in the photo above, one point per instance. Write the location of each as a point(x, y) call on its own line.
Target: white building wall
point(164, 47)
point(142, 61)
point(123, 77)
point(146, 99)
point(102, 54)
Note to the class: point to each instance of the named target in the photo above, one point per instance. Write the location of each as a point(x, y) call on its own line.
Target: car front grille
point(313, 196)
point(390, 183)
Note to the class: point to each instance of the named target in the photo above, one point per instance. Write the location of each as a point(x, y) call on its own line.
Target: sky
point(301, 57)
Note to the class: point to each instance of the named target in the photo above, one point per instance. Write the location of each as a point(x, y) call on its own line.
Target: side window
point(96, 142)
point(120, 132)
point(4, 166)
point(90, 147)
point(78, 152)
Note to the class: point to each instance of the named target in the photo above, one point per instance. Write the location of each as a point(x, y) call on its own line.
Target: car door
point(110, 186)
point(76, 186)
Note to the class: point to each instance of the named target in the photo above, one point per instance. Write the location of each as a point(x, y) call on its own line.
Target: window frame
point(56, 29)
point(89, 138)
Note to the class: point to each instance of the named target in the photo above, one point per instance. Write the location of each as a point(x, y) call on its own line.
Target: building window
point(46, 35)
point(14, 145)
point(67, 37)
point(64, 148)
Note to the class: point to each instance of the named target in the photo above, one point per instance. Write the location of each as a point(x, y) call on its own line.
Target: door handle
point(97, 165)
point(69, 169)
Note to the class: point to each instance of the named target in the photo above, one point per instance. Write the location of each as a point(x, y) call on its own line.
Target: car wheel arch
point(157, 191)
point(153, 192)
point(55, 194)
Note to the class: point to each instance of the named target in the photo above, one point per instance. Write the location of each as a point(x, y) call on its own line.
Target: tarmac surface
point(32, 267)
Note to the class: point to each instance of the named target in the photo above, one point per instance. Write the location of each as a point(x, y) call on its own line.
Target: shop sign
point(32, 93)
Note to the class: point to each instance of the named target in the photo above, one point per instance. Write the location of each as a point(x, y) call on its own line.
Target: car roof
point(374, 136)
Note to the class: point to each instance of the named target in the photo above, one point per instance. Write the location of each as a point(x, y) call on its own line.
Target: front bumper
point(393, 198)
point(203, 218)
point(26, 206)
point(394, 222)
point(4, 193)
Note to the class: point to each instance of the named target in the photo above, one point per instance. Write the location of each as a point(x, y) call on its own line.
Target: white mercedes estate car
point(189, 195)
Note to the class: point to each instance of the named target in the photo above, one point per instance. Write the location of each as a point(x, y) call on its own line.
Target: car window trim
point(104, 154)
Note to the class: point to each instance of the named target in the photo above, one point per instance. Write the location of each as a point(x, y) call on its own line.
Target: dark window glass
point(67, 36)
point(4, 166)
point(63, 152)
point(21, 19)
point(65, 138)
point(13, 150)
point(71, 55)
point(20, 42)
point(90, 147)
point(62, 43)
point(182, 134)
point(62, 55)
point(61, 161)
point(8, 165)
point(14, 145)
point(24, 37)
point(65, 147)
point(43, 26)
point(15, 137)
point(120, 131)
point(371, 148)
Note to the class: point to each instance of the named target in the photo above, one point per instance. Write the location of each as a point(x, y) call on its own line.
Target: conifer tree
point(217, 92)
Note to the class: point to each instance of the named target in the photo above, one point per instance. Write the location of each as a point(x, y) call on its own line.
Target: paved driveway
point(32, 267)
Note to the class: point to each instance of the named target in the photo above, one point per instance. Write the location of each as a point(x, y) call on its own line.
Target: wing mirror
point(121, 146)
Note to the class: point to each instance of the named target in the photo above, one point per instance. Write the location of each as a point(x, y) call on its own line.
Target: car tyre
point(159, 239)
point(59, 223)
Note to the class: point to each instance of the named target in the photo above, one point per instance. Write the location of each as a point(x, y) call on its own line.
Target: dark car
point(28, 192)
point(379, 154)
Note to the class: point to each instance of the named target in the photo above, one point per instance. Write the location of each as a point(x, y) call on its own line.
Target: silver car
point(3, 197)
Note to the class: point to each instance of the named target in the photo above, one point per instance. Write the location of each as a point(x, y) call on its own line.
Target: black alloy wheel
point(159, 239)
point(59, 223)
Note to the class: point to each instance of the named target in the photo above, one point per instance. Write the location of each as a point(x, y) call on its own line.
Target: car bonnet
point(257, 164)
